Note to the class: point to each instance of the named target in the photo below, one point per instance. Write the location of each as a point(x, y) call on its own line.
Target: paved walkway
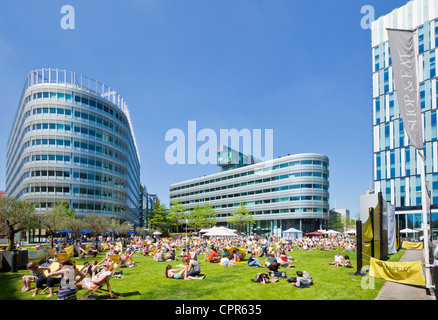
point(398, 291)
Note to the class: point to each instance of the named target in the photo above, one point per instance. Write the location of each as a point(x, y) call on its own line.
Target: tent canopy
point(407, 230)
point(292, 230)
point(314, 233)
point(220, 231)
point(332, 232)
point(64, 231)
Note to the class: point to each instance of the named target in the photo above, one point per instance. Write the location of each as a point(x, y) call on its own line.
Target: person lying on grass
point(226, 262)
point(180, 274)
point(303, 280)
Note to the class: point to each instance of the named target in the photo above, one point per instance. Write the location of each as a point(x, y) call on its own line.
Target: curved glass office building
point(72, 139)
point(288, 192)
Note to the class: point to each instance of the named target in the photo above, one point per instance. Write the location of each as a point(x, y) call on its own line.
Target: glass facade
point(291, 191)
point(395, 167)
point(72, 139)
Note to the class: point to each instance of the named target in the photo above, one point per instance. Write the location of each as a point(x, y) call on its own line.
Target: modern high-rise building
point(395, 167)
point(72, 139)
point(291, 191)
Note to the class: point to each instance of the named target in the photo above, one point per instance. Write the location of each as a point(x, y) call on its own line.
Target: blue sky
point(301, 68)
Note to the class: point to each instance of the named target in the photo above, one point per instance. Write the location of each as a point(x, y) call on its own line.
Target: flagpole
point(424, 202)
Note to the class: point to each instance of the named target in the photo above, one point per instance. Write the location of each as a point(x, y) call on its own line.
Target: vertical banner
point(392, 243)
point(404, 65)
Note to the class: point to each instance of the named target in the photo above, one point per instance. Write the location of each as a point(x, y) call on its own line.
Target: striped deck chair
point(106, 283)
point(53, 267)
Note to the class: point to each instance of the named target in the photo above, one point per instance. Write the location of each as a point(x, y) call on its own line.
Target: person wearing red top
point(213, 256)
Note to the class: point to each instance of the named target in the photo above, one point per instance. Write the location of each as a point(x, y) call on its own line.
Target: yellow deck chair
point(105, 246)
point(70, 251)
point(52, 267)
point(52, 253)
point(62, 256)
point(115, 258)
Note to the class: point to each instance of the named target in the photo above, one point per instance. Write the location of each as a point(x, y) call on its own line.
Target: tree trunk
point(52, 240)
point(11, 243)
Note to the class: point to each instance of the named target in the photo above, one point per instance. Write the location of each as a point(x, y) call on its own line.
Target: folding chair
point(53, 267)
point(115, 258)
point(70, 250)
point(106, 291)
point(82, 253)
point(62, 256)
point(52, 253)
point(105, 246)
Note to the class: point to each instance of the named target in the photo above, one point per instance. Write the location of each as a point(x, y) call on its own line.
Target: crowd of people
point(225, 251)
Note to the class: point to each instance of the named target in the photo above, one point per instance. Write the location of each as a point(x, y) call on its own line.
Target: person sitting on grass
point(283, 261)
point(273, 270)
point(170, 256)
point(339, 260)
point(193, 267)
point(254, 262)
point(36, 275)
point(213, 256)
point(179, 274)
point(347, 262)
point(235, 257)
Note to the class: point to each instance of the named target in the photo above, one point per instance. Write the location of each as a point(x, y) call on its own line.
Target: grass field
point(147, 281)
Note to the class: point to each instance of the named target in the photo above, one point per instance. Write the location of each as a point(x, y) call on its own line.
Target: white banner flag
point(404, 65)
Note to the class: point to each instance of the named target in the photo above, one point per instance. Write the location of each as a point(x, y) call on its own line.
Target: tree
point(17, 215)
point(124, 227)
point(241, 217)
point(55, 217)
point(335, 221)
point(177, 213)
point(200, 217)
point(113, 227)
point(98, 225)
point(157, 218)
point(75, 225)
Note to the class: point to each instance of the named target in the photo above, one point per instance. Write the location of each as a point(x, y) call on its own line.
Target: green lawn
point(147, 281)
